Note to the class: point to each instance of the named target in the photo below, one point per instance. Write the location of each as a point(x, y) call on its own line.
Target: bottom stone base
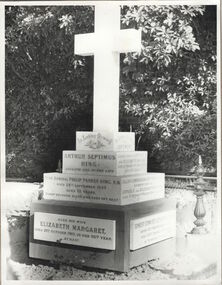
point(100, 258)
point(126, 236)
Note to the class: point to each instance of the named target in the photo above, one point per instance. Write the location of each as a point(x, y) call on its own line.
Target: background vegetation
point(167, 92)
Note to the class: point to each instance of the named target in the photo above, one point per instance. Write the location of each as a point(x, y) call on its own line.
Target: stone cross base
point(119, 241)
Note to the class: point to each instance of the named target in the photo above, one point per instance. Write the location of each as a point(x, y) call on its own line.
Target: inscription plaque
point(104, 163)
point(104, 189)
point(151, 229)
point(82, 231)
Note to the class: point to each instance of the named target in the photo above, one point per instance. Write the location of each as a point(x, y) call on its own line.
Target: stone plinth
point(104, 189)
point(104, 163)
point(119, 254)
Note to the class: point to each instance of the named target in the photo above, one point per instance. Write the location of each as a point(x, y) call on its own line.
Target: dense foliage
point(47, 88)
point(171, 86)
point(167, 92)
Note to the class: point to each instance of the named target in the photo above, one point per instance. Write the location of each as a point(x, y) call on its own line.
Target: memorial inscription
point(82, 231)
point(151, 229)
point(104, 189)
point(100, 163)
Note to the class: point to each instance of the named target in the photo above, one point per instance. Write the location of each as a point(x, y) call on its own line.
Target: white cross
point(106, 44)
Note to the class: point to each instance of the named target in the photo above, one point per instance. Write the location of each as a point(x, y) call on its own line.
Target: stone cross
point(105, 44)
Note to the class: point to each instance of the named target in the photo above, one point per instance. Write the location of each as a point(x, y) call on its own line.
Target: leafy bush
point(47, 88)
point(170, 87)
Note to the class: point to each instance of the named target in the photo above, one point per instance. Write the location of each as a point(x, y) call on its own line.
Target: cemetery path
point(185, 265)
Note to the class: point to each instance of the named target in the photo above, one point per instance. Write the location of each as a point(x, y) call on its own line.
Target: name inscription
point(81, 231)
point(101, 189)
point(100, 163)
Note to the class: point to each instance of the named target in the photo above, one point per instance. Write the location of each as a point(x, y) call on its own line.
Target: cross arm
point(123, 41)
point(84, 44)
point(128, 40)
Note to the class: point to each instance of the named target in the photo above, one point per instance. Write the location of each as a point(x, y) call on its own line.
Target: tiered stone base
point(124, 256)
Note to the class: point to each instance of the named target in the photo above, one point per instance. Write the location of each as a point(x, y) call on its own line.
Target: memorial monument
point(104, 210)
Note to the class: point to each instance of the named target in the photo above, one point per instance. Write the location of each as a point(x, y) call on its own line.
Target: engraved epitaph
point(89, 232)
point(105, 163)
point(113, 190)
point(151, 229)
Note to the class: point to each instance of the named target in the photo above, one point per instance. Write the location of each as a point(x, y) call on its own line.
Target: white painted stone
point(121, 141)
point(151, 229)
point(104, 189)
point(106, 44)
point(81, 231)
point(120, 41)
point(104, 163)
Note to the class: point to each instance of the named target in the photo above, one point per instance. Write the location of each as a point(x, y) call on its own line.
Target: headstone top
point(106, 44)
point(119, 141)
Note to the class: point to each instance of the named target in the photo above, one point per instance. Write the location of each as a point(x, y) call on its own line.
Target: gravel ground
point(184, 265)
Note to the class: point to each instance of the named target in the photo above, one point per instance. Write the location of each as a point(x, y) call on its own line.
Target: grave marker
point(102, 210)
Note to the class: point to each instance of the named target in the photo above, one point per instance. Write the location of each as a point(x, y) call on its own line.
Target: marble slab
point(104, 189)
point(151, 229)
point(104, 163)
point(75, 230)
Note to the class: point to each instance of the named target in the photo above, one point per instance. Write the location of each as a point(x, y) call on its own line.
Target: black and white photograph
point(110, 142)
